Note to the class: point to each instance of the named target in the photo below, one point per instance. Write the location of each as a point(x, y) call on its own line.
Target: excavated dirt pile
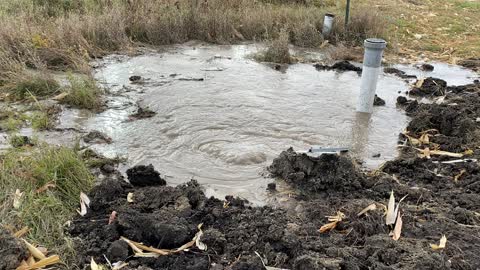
point(441, 199)
point(454, 123)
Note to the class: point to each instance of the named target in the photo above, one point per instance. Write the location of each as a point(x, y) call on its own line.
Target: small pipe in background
point(328, 24)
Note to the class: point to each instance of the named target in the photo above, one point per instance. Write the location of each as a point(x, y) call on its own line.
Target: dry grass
point(277, 50)
point(342, 52)
point(51, 34)
point(363, 23)
point(65, 34)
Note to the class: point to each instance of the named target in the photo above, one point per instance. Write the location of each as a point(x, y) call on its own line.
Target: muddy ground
point(442, 199)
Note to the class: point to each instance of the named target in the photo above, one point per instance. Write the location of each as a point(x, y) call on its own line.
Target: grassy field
point(445, 30)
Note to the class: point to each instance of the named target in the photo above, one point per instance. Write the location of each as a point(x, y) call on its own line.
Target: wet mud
point(339, 66)
point(378, 101)
point(400, 73)
point(426, 67)
point(429, 87)
point(96, 137)
point(142, 113)
point(441, 199)
point(472, 63)
point(453, 124)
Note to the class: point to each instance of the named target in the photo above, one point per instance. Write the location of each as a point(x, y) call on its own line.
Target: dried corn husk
point(130, 197)
point(371, 207)
point(442, 245)
point(34, 251)
point(17, 198)
point(397, 231)
point(390, 218)
point(42, 263)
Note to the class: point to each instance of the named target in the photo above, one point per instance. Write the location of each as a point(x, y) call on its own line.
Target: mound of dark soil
point(167, 217)
point(314, 174)
point(142, 175)
point(465, 89)
point(12, 251)
point(472, 63)
point(455, 120)
point(430, 87)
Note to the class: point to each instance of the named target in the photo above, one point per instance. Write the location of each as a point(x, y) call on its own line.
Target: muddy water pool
point(221, 117)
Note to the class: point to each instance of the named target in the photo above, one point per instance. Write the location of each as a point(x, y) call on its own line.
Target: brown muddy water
point(221, 117)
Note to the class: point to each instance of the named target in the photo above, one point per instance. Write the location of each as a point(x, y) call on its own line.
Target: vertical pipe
point(347, 13)
point(372, 61)
point(327, 24)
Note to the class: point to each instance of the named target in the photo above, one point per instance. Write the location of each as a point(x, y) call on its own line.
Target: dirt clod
point(135, 78)
point(472, 63)
point(117, 251)
point(401, 100)
point(399, 73)
point(272, 186)
point(142, 175)
point(12, 251)
point(142, 113)
point(314, 174)
point(429, 87)
point(426, 67)
point(96, 137)
point(378, 101)
point(339, 66)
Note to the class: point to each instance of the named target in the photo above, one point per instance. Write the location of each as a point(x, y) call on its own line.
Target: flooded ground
point(221, 117)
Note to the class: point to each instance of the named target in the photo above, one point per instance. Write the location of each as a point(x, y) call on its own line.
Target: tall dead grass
point(364, 23)
point(277, 50)
point(60, 35)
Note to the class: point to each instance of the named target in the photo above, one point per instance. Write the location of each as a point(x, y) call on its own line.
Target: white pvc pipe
point(327, 24)
point(372, 62)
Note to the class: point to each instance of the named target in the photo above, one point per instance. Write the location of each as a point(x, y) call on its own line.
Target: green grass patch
point(468, 5)
point(432, 48)
point(11, 121)
point(83, 93)
point(45, 212)
point(456, 27)
point(17, 141)
point(41, 120)
point(22, 86)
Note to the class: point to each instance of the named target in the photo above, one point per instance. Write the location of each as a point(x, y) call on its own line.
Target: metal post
point(347, 13)
point(327, 24)
point(372, 61)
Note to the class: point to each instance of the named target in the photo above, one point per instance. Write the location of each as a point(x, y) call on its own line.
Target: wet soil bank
point(441, 199)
